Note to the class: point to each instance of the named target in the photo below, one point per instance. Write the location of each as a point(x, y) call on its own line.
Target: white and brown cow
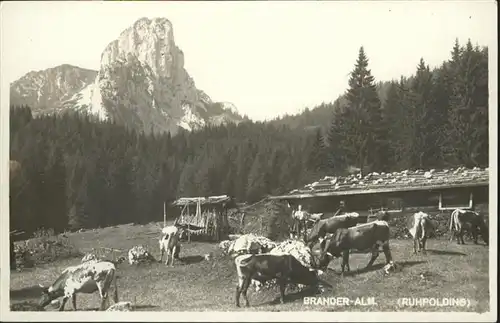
point(170, 243)
point(420, 227)
point(86, 278)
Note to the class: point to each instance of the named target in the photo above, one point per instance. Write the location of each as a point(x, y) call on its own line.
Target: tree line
point(78, 172)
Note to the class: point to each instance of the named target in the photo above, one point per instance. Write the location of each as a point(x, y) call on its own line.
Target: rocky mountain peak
point(151, 42)
point(44, 91)
point(142, 83)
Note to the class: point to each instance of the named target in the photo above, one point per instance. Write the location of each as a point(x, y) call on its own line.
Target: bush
point(45, 247)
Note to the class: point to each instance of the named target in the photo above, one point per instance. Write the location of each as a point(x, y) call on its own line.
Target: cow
point(460, 219)
point(169, 243)
point(420, 226)
point(85, 278)
point(330, 225)
point(264, 267)
point(364, 237)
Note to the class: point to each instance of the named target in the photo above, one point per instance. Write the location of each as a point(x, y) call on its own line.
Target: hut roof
point(210, 200)
point(407, 180)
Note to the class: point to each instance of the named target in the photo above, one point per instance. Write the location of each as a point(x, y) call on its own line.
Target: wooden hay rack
point(204, 217)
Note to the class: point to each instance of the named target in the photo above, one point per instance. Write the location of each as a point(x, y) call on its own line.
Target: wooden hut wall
point(410, 200)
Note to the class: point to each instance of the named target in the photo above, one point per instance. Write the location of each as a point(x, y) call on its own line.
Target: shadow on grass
point(410, 263)
point(134, 307)
point(192, 259)
point(378, 266)
point(290, 297)
point(27, 292)
point(445, 252)
point(363, 270)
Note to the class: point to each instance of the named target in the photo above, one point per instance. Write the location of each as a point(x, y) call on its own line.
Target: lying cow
point(330, 225)
point(460, 219)
point(420, 227)
point(86, 278)
point(170, 243)
point(265, 267)
point(365, 237)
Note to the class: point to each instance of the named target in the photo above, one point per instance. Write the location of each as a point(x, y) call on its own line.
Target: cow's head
point(182, 233)
point(313, 279)
point(47, 296)
point(327, 249)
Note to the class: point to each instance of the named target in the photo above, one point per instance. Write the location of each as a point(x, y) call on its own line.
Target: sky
point(267, 58)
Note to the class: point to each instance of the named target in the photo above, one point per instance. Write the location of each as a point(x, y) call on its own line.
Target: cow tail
point(422, 228)
point(452, 216)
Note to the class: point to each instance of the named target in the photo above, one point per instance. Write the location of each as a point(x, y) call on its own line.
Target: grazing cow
point(86, 278)
point(169, 243)
point(420, 226)
point(264, 267)
point(330, 225)
point(460, 219)
point(365, 237)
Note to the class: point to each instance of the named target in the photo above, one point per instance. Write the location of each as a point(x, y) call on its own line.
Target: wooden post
point(164, 214)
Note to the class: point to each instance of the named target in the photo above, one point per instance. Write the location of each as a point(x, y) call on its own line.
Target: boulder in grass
point(391, 267)
point(90, 257)
point(139, 255)
point(296, 248)
point(120, 307)
point(251, 244)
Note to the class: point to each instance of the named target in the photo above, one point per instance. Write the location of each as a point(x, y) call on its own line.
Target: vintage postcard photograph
point(244, 161)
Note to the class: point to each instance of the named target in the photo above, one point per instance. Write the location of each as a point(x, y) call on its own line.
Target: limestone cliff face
point(142, 83)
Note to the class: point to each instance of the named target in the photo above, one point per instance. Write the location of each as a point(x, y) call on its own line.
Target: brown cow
point(264, 267)
point(365, 237)
point(330, 225)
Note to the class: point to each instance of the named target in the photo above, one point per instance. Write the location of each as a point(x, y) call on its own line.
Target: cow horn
point(41, 286)
point(329, 254)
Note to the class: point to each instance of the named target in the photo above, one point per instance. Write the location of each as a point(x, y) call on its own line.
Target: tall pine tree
point(360, 126)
